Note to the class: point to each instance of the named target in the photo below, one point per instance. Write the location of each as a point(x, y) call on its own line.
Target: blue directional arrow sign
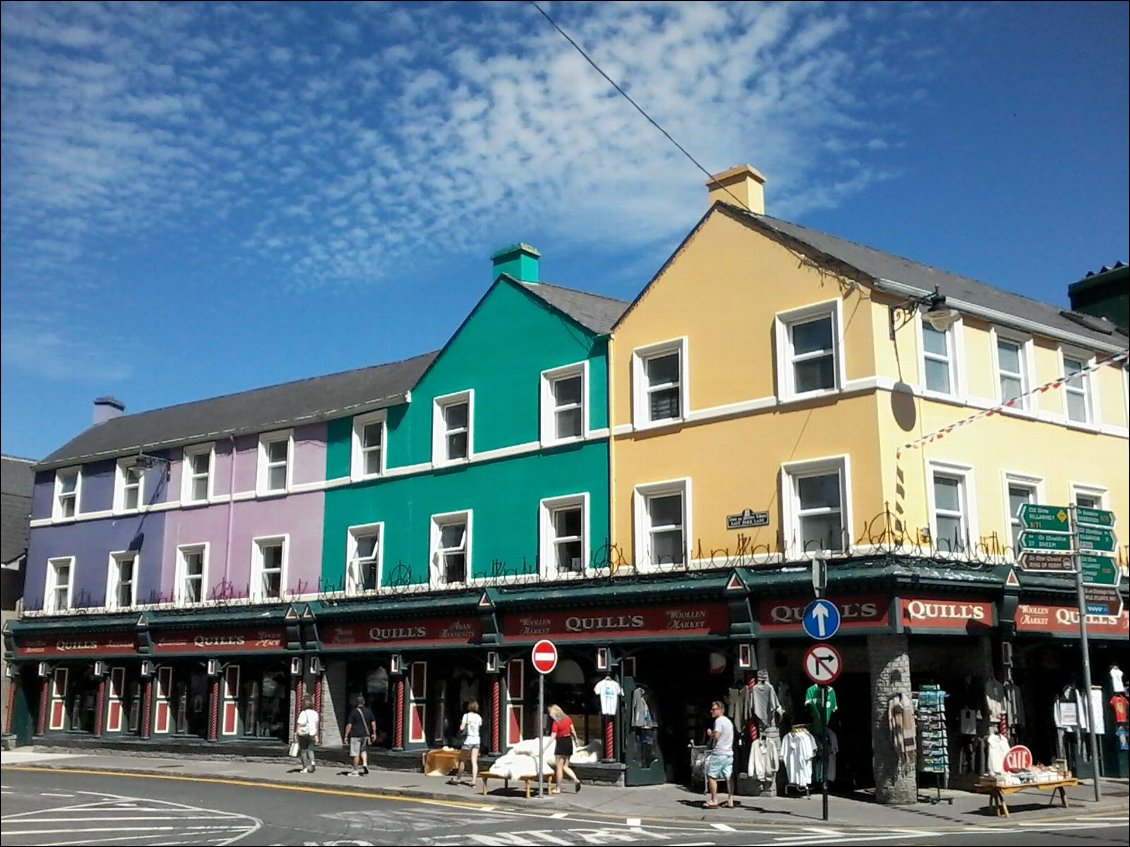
point(821, 619)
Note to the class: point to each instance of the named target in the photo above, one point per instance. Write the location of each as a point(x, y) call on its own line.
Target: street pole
point(824, 744)
point(541, 735)
point(1086, 650)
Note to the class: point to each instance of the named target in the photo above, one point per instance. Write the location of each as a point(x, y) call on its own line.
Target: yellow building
point(778, 395)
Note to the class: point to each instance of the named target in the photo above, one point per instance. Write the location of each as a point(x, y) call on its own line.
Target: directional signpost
point(822, 661)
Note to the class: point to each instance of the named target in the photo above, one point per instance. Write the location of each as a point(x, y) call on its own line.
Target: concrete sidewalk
point(647, 802)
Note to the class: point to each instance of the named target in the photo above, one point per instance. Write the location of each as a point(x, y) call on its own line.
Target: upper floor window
point(564, 535)
point(197, 473)
point(808, 342)
point(368, 445)
point(121, 588)
point(1020, 492)
point(451, 548)
point(815, 498)
point(192, 561)
point(1076, 389)
point(1088, 498)
point(938, 359)
point(128, 486)
point(363, 571)
point(661, 518)
point(563, 410)
point(274, 461)
point(1012, 371)
point(952, 519)
point(67, 485)
point(659, 383)
point(451, 427)
point(57, 594)
point(268, 569)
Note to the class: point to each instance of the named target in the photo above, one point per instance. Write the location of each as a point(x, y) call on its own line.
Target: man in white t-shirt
point(720, 762)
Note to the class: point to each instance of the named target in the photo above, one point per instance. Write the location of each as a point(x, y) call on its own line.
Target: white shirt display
point(608, 690)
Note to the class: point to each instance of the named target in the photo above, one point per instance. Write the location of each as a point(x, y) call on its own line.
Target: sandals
point(709, 805)
point(577, 786)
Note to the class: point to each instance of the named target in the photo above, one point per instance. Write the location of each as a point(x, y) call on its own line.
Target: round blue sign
point(821, 619)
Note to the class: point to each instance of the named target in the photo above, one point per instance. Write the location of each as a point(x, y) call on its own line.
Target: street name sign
point(1034, 560)
point(1098, 539)
point(1094, 517)
point(1032, 540)
point(822, 663)
point(821, 619)
point(1099, 570)
point(1052, 518)
point(1102, 600)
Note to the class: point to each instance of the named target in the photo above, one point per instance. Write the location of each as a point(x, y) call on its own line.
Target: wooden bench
point(530, 780)
point(997, 793)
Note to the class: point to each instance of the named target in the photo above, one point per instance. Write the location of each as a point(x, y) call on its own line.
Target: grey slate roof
point(886, 266)
point(592, 311)
point(16, 483)
point(259, 410)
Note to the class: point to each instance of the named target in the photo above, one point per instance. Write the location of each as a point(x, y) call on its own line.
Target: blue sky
point(205, 198)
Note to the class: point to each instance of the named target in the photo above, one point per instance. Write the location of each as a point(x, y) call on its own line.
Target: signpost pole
point(541, 735)
point(1086, 651)
point(824, 745)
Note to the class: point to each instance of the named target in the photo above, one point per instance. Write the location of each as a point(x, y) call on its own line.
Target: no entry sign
point(545, 656)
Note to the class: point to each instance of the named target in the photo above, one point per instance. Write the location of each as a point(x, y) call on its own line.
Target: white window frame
point(791, 473)
point(435, 552)
point(1096, 493)
point(180, 596)
point(783, 323)
point(123, 470)
point(440, 431)
point(1035, 487)
point(353, 561)
point(359, 453)
point(266, 439)
point(189, 476)
point(550, 409)
point(641, 388)
point(548, 539)
point(1025, 346)
point(51, 585)
point(57, 511)
point(258, 545)
point(967, 490)
point(955, 355)
point(114, 579)
point(1083, 386)
point(641, 496)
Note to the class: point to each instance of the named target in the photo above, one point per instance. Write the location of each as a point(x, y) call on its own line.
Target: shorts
point(356, 745)
point(563, 747)
point(719, 766)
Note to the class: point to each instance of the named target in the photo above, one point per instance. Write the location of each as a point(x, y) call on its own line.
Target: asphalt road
point(48, 807)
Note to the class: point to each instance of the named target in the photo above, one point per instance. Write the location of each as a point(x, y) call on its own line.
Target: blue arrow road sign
point(821, 619)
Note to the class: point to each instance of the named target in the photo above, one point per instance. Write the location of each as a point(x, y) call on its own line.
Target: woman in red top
point(565, 733)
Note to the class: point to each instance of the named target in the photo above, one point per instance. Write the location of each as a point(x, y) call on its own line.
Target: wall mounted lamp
point(938, 315)
point(145, 461)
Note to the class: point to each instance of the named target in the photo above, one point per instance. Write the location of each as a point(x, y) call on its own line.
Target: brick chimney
point(107, 408)
point(742, 182)
point(519, 261)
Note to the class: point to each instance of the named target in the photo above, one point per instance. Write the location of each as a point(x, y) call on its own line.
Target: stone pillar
point(889, 657)
point(334, 707)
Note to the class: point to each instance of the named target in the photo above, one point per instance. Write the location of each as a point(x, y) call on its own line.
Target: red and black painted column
point(99, 707)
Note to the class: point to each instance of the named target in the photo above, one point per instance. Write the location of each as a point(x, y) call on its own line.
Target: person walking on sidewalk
point(360, 730)
point(471, 728)
point(720, 760)
point(306, 731)
point(565, 733)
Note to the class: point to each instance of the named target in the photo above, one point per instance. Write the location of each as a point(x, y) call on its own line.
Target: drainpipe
point(231, 507)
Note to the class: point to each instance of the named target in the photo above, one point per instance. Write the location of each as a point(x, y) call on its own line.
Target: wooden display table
point(530, 780)
point(444, 762)
point(997, 792)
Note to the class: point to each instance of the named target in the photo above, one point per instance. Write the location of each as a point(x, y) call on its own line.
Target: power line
point(639, 109)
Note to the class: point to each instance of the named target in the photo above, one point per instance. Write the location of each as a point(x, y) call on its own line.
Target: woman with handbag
point(470, 729)
point(306, 733)
point(565, 734)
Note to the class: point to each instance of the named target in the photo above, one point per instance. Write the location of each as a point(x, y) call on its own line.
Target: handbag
point(460, 739)
point(293, 748)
